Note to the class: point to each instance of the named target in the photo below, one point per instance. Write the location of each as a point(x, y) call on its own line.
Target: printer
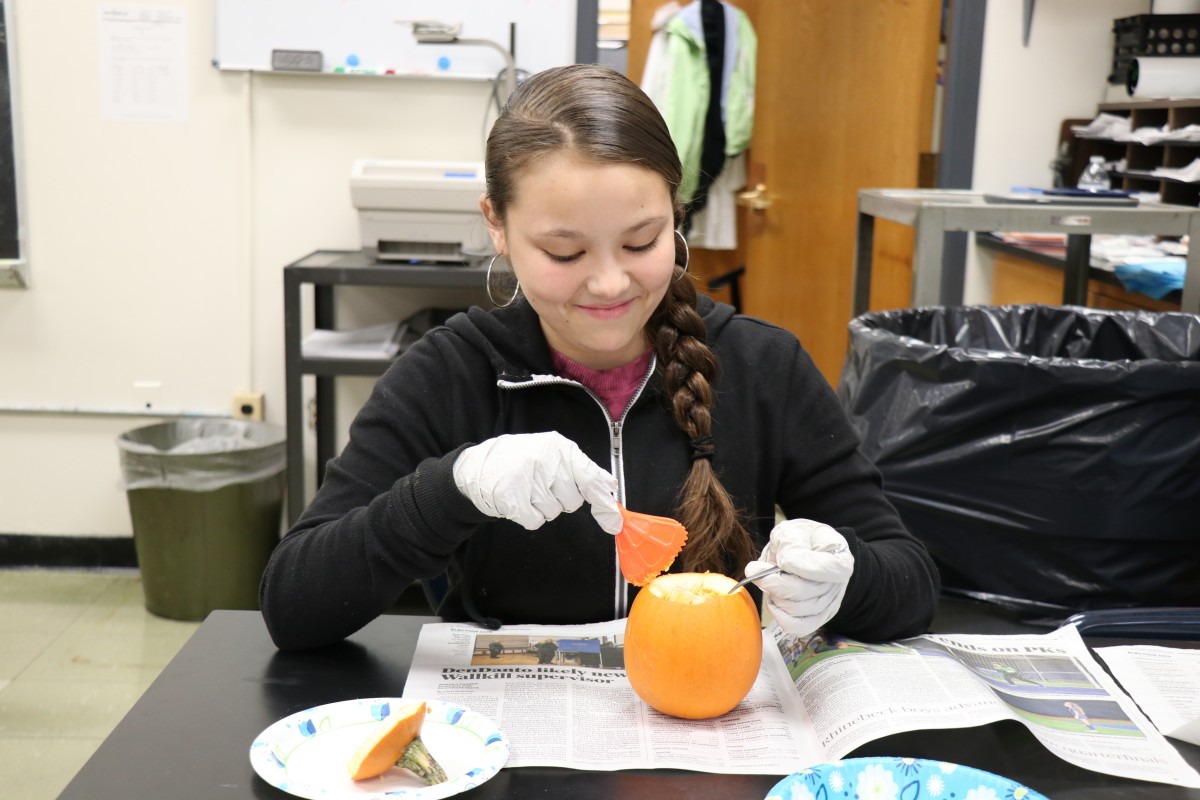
point(421, 210)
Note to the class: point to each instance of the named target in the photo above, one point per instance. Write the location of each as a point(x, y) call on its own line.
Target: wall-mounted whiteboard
point(362, 36)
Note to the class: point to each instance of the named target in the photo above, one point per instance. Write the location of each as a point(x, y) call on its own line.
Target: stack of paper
point(1188, 133)
point(1105, 126)
point(377, 341)
point(1190, 173)
point(1113, 128)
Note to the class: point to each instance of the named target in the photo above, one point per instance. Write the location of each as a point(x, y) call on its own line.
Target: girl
point(496, 447)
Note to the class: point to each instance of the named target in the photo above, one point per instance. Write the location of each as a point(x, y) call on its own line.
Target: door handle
point(755, 199)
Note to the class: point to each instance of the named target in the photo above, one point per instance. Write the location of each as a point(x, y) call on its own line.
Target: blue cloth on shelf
point(1154, 278)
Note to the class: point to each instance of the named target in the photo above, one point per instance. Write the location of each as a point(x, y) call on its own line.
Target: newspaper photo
point(561, 695)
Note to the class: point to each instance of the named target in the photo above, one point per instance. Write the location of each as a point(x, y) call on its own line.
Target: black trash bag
point(1049, 457)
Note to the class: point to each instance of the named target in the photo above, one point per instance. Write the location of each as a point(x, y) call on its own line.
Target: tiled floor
point(77, 649)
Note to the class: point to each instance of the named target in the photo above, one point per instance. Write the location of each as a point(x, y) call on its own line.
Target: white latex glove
point(817, 564)
point(531, 478)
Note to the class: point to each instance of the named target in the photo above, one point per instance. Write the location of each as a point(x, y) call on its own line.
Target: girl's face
point(593, 246)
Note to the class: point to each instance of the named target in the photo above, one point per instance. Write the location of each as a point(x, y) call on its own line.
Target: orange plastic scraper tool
point(647, 545)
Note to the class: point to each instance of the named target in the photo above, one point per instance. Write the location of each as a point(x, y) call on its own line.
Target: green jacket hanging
point(676, 78)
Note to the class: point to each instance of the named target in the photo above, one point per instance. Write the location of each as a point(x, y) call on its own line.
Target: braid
point(717, 540)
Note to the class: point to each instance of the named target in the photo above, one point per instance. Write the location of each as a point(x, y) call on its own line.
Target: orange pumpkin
point(692, 650)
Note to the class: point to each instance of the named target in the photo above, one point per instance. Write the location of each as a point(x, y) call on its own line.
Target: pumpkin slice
point(647, 545)
point(387, 743)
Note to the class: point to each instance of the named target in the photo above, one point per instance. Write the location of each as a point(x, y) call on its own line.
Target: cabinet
point(324, 271)
point(1020, 275)
point(1142, 159)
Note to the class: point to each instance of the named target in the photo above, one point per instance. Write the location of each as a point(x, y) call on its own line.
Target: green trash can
point(206, 499)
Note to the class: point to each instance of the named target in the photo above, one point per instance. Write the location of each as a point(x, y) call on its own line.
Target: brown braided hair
point(717, 540)
point(599, 113)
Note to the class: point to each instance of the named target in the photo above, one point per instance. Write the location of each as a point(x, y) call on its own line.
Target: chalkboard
point(363, 36)
point(12, 267)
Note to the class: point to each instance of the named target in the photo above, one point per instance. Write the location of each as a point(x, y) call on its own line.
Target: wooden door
point(844, 101)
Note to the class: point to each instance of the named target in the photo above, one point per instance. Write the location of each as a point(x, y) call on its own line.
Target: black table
point(190, 733)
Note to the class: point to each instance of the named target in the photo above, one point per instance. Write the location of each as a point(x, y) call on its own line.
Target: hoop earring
point(487, 284)
point(681, 243)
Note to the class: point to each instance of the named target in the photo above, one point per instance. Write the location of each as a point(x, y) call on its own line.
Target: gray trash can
point(206, 498)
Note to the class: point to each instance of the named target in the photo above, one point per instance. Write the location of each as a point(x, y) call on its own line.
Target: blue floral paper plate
point(894, 778)
point(305, 754)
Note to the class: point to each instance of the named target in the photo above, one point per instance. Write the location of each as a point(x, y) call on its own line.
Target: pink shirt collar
point(615, 387)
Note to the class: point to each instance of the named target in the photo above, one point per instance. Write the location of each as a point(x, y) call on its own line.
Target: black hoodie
point(388, 511)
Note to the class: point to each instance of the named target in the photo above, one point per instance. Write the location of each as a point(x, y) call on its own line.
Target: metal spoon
point(750, 578)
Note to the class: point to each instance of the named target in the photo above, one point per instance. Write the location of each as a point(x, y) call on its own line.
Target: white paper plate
point(901, 778)
point(305, 754)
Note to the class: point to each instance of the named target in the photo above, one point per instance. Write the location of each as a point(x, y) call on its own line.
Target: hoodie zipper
point(620, 587)
point(616, 457)
point(614, 453)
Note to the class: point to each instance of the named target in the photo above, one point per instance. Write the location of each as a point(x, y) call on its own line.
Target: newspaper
point(561, 695)
point(1165, 682)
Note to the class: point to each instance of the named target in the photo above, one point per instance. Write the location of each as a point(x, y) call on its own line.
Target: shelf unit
point(324, 271)
point(1140, 158)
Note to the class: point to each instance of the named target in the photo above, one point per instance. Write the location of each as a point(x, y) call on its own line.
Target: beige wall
point(156, 248)
point(1026, 92)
